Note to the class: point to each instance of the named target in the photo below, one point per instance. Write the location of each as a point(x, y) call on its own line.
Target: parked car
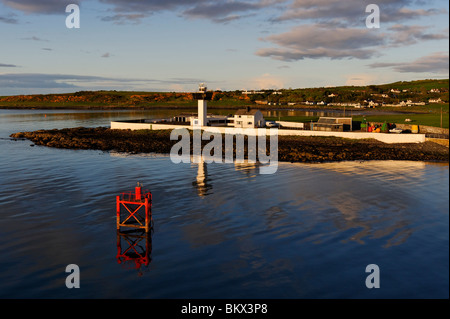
point(272, 124)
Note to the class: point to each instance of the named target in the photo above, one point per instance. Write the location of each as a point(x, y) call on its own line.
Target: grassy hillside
point(416, 91)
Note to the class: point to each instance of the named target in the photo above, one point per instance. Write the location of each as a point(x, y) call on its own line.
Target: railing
point(131, 196)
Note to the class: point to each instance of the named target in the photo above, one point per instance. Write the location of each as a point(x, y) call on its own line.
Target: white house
point(373, 104)
point(249, 118)
point(411, 103)
point(435, 100)
point(252, 92)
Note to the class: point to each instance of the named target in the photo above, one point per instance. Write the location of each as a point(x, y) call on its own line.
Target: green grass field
point(419, 119)
point(430, 116)
point(432, 119)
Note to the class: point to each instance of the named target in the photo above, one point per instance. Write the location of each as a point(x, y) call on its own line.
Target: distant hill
point(419, 86)
point(421, 90)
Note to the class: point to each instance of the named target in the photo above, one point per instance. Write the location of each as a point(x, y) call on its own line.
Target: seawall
point(389, 138)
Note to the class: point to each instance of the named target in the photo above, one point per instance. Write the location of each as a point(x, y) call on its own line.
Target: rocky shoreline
point(290, 148)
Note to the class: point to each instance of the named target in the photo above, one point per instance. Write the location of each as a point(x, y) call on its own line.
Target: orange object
point(138, 209)
point(134, 248)
point(138, 194)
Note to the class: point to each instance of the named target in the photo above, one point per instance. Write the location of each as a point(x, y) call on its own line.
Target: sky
point(173, 45)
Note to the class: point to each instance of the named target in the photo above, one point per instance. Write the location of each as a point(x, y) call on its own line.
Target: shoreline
point(294, 149)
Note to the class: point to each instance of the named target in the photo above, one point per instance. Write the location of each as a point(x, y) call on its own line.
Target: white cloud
point(437, 62)
point(72, 81)
point(401, 35)
point(266, 81)
point(3, 65)
point(319, 41)
point(41, 6)
point(9, 18)
point(352, 12)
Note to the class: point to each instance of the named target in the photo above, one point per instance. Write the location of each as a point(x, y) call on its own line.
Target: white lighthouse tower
point(202, 106)
point(202, 96)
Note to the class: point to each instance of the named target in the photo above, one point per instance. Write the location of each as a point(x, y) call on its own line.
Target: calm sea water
point(220, 230)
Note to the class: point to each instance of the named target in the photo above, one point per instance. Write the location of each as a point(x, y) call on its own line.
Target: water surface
point(220, 230)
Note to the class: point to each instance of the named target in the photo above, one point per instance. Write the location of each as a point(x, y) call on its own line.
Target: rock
point(290, 148)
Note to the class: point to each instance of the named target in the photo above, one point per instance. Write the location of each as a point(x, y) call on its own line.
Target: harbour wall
point(389, 138)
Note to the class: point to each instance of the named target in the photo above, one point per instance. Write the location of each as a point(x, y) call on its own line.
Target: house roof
point(246, 112)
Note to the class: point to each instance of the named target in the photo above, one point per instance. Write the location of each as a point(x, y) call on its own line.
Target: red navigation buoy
point(137, 212)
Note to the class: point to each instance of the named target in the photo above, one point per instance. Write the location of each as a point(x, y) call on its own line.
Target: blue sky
point(172, 45)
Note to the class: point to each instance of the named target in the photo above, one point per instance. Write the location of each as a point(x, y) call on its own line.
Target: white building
point(252, 92)
point(411, 103)
point(249, 118)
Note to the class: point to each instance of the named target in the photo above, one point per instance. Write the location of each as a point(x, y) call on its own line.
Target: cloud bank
point(335, 29)
point(72, 81)
point(41, 6)
point(3, 65)
point(437, 62)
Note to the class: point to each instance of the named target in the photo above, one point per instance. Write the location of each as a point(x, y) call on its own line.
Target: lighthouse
point(202, 96)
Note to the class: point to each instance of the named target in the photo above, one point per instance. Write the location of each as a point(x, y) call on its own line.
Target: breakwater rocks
point(290, 148)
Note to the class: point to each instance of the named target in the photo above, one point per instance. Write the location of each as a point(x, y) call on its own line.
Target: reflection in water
point(387, 170)
point(250, 169)
point(201, 183)
point(373, 200)
point(134, 248)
